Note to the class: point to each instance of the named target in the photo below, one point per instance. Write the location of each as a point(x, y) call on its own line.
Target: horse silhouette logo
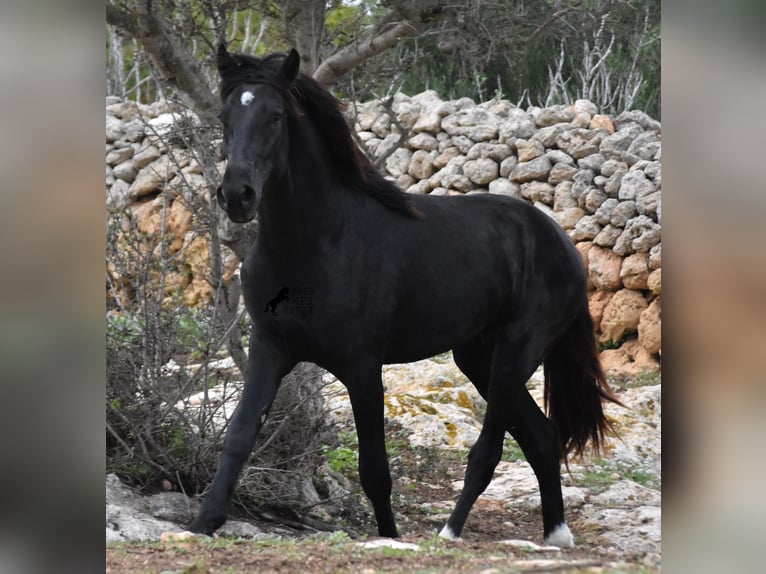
point(283, 295)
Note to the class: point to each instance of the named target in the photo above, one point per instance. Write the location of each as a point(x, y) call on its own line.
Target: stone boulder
point(622, 314)
point(650, 328)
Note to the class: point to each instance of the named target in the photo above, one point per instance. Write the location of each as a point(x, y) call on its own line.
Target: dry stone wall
point(597, 176)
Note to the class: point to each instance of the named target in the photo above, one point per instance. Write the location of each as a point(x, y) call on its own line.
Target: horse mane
point(307, 97)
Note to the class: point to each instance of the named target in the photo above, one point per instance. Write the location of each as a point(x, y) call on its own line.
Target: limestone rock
point(519, 124)
point(538, 191)
point(622, 314)
point(398, 162)
point(125, 171)
point(562, 196)
point(421, 165)
point(593, 162)
point(445, 156)
point(480, 171)
point(117, 196)
point(127, 516)
point(640, 235)
point(593, 199)
point(547, 136)
point(172, 506)
point(586, 228)
point(620, 140)
point(579, 142)
point(623, 212)
point(610, 166)
point(584, 247)
point(561, 172)
point(504, 187)
point(508, 165)
point(635, 271)
point(601, 121)
point(638, 117)
point(537, 169)
point(555, 115)
point(119, 155)
point(115, 129)
point(608, 236)
point(597, 302)
point(529, 149)
point(613, 182)
point(650, 328)
point(604, 269)
point(493, 151)
point(422, 140)
point(152, 178)
point(586, 106)
point(654, 282)
point(604, 213)
point(634, 184)
point(475, 123)
point(629, 360)
point(385, 147)
point(655, 257)
point(568, 218)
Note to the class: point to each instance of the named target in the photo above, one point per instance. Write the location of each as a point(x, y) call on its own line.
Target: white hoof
point(561, 537)
point(447, 533)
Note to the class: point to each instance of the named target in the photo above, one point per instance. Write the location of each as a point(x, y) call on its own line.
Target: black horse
point(396, 278)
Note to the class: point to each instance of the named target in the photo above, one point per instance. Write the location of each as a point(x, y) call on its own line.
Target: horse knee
point(482, 460)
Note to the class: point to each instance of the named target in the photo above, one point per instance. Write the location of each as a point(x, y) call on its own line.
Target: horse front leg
point(365, 390)
point(266, 367)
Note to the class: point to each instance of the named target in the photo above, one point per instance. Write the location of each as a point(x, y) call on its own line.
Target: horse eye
point(276, 118)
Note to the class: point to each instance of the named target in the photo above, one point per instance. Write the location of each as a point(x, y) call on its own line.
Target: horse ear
point(224, 61)
point(291, 66)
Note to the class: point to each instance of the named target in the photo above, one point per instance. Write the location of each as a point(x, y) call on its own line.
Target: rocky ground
point(433, 416)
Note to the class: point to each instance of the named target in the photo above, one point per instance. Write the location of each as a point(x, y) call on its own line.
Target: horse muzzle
point(239, 195)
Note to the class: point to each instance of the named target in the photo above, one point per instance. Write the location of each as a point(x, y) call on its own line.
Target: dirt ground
point(422, 501)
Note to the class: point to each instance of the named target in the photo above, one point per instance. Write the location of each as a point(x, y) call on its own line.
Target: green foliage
point(611, 344)
point(344, 458)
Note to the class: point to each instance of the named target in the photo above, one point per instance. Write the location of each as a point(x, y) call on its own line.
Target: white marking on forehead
point(246, 98)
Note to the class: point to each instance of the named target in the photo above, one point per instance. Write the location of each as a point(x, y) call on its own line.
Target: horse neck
point(308, 201)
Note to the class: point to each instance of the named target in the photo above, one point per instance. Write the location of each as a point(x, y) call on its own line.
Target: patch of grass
point(643, 379)
point(642, 477)
point(610, 344)
point(604, 474)
point(598, 478)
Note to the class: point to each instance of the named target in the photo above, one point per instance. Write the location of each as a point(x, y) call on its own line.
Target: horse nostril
point(248, 196)
point(219, 196)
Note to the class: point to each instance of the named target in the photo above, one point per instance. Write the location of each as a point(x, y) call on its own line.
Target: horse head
point(255, 96)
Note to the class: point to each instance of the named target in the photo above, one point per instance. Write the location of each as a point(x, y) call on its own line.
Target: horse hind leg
point(535, 434)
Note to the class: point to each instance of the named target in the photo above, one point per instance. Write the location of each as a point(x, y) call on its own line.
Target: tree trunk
point(304, 23)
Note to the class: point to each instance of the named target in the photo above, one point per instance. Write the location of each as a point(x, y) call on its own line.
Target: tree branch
point(170, 56)
point(343, 61)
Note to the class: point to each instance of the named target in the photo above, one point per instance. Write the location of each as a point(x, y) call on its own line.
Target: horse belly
point(432, 327)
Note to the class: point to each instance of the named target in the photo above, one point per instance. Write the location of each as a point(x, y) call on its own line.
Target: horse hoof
point(447, 533)
point(206, 525)
point(560, 536)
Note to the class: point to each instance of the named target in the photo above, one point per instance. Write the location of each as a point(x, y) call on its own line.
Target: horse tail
point(576, 387)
